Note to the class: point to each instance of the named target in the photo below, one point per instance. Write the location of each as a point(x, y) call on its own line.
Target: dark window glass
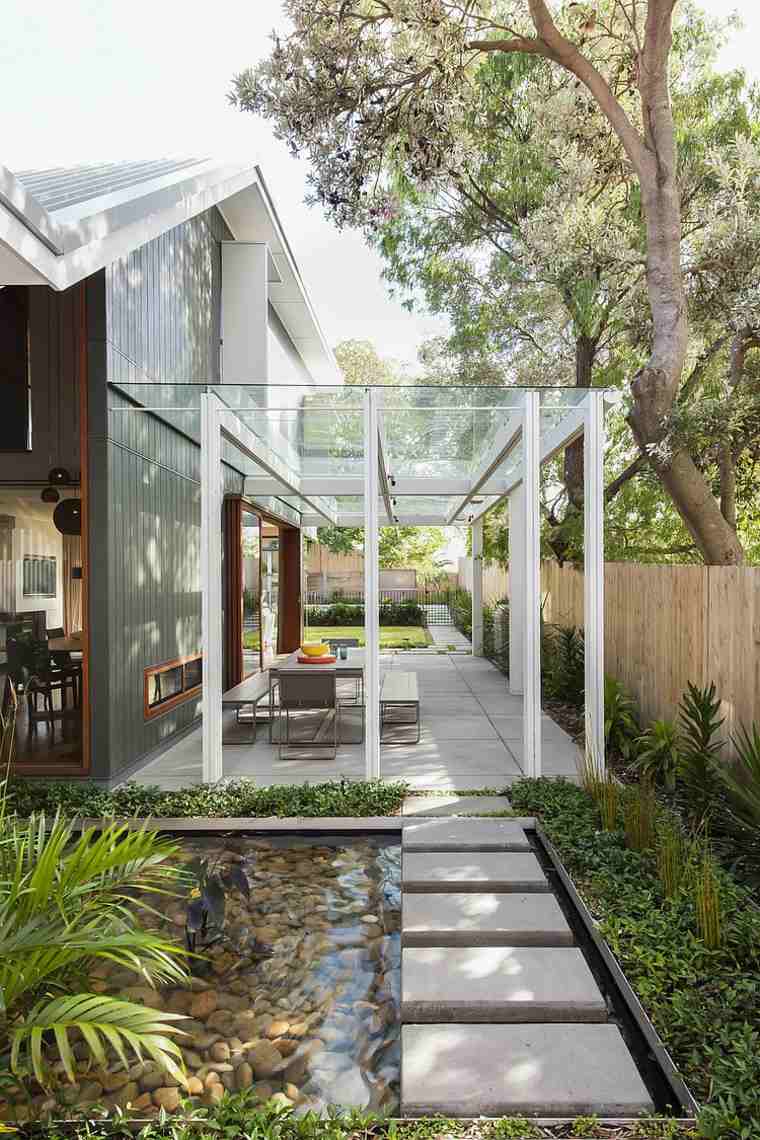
point(39, 576)
point(165, 685)
point(193, 673)
point(15, 422)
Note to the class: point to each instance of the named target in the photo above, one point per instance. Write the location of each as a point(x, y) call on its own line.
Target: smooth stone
point(167, 1098)
point(265, 1059)
point(244, 1076)
point(203, 1004)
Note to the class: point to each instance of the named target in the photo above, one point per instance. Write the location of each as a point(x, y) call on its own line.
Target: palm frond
point(102, 1021)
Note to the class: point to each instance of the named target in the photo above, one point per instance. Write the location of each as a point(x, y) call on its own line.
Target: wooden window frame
point(152, 711)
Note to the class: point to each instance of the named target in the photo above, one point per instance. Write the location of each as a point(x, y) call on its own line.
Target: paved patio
point(471, 737)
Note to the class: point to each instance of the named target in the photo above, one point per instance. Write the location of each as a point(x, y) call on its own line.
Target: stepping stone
point(465, 835)
point(494, 1070)
point(453, 805)
point(472, 871)
point(498, 984)
point(469, 919)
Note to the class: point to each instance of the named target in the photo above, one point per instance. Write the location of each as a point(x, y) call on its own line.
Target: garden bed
point(704, 1002)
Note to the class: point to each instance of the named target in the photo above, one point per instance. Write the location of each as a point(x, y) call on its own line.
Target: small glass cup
point(343, 652)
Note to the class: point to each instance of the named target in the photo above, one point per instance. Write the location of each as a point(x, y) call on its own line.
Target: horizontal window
point(172, 683)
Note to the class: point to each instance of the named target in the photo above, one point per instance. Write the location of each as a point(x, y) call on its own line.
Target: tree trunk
point(585, 353)
point(728, 484)
point(655, 386)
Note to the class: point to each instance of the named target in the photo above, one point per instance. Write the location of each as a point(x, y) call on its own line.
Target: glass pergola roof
point(446, 454)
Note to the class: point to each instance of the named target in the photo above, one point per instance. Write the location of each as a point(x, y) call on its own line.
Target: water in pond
point(300, 994)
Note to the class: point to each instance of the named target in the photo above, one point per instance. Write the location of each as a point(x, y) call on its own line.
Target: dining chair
point(300, 691)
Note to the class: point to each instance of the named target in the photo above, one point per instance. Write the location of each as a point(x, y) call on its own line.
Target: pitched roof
point(61, 187)
point(60, 225)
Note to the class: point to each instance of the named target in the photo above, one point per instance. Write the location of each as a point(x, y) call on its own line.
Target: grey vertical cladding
point(53, 322)
point(164, 305)
point(163, 308)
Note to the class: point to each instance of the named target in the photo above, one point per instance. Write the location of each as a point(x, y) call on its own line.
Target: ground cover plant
point(689, 943)
point(235, 799)
point(241, 1117)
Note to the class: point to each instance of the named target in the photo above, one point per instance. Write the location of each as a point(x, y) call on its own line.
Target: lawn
point(391, 636)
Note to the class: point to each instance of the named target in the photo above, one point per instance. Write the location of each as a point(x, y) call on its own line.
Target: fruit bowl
point(315, 649)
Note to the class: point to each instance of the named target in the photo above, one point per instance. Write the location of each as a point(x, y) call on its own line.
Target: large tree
point(374, 89)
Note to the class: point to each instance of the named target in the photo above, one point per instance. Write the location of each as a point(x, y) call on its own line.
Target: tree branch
point(628, 473)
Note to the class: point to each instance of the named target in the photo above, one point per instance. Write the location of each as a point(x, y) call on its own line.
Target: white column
point(477, 587)
point(516, 587)
point(211, 586)
point(532, 570)
point(593, 580)
point(245, 312)
point(371, 585)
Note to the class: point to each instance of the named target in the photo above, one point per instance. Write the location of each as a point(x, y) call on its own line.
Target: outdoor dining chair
point(300, 691)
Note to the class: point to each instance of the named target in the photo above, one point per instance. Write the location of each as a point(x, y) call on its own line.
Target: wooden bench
point(400, 691)
point(249, 692)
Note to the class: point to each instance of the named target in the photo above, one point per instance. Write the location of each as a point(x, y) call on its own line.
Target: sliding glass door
point(250, 538)
point(270, 592)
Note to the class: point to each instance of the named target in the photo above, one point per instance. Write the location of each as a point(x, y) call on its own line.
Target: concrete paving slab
point(483, 919)
point(498, 984)
point(492, 1070)
point(502, 871)
point(465, 835)
point(453, 805)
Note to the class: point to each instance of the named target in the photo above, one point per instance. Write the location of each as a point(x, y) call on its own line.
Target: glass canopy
point(445, 453)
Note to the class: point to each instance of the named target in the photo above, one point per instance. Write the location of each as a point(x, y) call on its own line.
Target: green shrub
point(639, 816)
point(349, 613)
point(738, 815)
point(237, 798)
point(658, 753)
point(564, 667)
point(700, 724)
point(704, 1003)
point(621, 726)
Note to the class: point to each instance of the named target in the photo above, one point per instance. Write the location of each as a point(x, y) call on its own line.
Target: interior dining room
point(43, 640)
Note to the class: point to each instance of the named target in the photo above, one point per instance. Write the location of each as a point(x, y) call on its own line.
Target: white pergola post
point(516, 587)
point(593, 580)
point(477, 587)
point(531, 555)
point(371, 584)
point(211, 585)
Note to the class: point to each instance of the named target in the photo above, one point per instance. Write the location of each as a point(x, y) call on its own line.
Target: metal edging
point(635, 1008)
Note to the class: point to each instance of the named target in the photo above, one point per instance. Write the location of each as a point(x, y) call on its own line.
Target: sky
point(91, 80)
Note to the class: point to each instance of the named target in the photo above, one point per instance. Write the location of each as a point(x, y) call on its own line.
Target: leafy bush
point(64, 905)
point(564, 664)
point(658, 753)
point(704, 1003)
point(237, 798)
point(346, 613)
point(621, 726)
point(460, 608)
point(738, 816)
point(700, 724)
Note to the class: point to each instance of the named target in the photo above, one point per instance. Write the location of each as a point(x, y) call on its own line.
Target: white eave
point(60, 247)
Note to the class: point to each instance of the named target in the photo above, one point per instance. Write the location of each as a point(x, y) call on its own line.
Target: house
point(169, 271)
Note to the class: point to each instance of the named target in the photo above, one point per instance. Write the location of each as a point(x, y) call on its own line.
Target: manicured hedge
point(704, 1003)
point(238, 798)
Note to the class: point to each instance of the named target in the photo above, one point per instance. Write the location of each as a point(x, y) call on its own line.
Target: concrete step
point(465, 835)
point(483, 919)
point(435, 806)
point(498, 984)
point(472, 871)
point(493, 1070)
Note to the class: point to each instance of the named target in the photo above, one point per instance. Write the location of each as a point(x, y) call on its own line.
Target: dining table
point(73, 643)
